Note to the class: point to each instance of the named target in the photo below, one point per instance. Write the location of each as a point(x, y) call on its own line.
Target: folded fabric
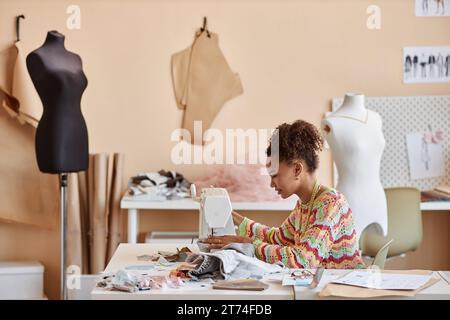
point(247, 249)
point(128, 281)
point(229, 264)
point(159, 186)
point(233, 261)
point(179, 256)
point(166, 256)
point(206, 267)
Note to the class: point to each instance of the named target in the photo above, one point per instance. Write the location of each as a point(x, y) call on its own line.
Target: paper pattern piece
point(383, 281)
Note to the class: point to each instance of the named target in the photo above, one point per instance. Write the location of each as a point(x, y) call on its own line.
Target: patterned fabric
point(326, 237)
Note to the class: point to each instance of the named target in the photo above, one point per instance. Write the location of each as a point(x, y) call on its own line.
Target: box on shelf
point(21, 280)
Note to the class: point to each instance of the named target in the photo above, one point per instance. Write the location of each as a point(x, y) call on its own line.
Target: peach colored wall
point(292, 57)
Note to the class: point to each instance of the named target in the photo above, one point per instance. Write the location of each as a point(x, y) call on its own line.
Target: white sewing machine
point(215, 212)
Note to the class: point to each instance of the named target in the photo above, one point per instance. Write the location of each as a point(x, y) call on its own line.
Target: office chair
point(404, 225)
point(380, 257)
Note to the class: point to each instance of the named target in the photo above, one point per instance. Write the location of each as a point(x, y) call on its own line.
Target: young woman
point(320, 231)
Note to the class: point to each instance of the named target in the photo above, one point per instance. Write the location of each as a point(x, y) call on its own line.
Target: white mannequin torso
point(354, 135)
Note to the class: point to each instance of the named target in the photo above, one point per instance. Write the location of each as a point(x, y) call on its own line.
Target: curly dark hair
point(298, 141)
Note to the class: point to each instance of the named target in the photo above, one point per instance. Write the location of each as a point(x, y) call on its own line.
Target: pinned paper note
point(426, 156)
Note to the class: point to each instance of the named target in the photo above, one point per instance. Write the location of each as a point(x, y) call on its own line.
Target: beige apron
point(22, 100)
point(203, 82)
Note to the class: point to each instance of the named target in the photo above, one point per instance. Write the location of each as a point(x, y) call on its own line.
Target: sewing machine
point(215, 212)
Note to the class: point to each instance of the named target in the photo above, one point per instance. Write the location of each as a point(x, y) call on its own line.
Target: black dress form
point(61, 135)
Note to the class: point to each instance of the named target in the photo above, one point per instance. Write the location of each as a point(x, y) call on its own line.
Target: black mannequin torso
point(61, 135)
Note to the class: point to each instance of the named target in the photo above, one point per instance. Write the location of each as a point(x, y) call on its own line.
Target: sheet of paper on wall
point(426, 64)
point(437, 8)
point(386, 281)
point(426, 160)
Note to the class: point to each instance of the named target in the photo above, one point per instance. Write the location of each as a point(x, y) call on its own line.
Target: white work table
point(135, 203)
point(126, 254)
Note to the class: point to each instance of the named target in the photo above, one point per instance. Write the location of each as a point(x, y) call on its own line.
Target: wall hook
point(18, 26)
point(205, 27)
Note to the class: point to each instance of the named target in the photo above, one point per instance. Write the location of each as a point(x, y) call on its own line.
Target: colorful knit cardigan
point(326, 237)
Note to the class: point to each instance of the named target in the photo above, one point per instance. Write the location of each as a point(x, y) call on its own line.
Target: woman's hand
point(218, 242)
point(237, 218)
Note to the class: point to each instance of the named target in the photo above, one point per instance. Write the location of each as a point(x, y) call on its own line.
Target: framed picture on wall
point(432, 8)
point(426, 64)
